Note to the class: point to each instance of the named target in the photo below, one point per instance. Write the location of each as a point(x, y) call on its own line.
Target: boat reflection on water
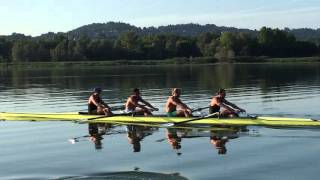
point(135, 134)
point(136, 174)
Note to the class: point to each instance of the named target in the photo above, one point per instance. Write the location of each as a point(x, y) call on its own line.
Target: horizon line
point(154, 26)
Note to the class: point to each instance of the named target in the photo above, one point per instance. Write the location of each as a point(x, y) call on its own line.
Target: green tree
point(80, 49)
point(245, 45)
point(101, 49)
point(276, 43)
point(68, 50)
point(225, 51)
point(25, 51)
point(208, 43)
point(153, 46)
point(187, 48)
point(170, 45)
point(128, 45)
point(5, 49)
point(60, 52)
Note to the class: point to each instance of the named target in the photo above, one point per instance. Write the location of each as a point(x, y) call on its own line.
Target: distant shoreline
point(173, 61)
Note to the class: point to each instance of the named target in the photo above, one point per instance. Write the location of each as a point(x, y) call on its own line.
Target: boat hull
point(258, 121)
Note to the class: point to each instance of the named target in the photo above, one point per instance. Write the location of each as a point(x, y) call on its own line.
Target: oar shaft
point(114, 108)
point(200, 109)
point(199, 118)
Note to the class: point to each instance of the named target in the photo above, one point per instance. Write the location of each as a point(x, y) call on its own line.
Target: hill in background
point(114, 29)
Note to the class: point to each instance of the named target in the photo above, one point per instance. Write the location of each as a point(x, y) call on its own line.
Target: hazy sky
point(34, 17)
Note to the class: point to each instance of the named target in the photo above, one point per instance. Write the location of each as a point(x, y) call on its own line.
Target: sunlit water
point(44, 150)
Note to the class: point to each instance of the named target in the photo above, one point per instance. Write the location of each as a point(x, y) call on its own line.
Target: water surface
point(43, 150)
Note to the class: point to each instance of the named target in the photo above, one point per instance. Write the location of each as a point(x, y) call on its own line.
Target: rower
point(224, 107)
point(96, 105)
point(174, 101)
point(133, 106)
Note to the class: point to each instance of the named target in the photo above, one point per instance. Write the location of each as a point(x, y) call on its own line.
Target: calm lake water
point(64, 150)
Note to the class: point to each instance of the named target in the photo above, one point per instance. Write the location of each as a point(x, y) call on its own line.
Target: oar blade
point(72, 141)
point(168, 124)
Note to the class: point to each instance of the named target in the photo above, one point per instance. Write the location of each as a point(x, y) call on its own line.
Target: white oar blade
point(72, 141)
point(167, 124)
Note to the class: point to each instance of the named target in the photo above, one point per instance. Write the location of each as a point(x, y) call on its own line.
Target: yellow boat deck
point(259, 121)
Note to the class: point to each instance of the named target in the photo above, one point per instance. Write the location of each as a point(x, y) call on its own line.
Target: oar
point(160, 140)
point(193, 119)
point(246, 115)
point(123, 112)
point(199, 109)
point(77, 139)
point(277, 118)
point(85, 137)
point(90, 119)
point(114, 108)
point(99, 117)
point(103, 116)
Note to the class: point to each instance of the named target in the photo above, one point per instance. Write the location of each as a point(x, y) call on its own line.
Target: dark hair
point(97, 89)
point(135, 90)
point(222, 151)
point(221, 90)
point(136, 147)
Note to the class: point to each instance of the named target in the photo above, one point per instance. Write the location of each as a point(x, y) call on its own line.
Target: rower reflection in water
point(224, 107)
point(219, 138)
point(96, 104)
point(136, 134)
point(96, 131)
point(219, 143)
point(173, 139)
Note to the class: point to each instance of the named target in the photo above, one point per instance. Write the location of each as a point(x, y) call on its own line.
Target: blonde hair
point(175, 90)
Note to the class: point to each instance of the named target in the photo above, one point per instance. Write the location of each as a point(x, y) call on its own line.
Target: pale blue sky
point(34, 17)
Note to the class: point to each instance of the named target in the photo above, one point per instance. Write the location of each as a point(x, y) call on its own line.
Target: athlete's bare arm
point(233, 106)
point(147, 104)
point(178, 102)
point(92, 100)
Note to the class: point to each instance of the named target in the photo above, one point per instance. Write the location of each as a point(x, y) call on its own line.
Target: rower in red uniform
point(96, 105)
point(133, 106)
point(224, 107)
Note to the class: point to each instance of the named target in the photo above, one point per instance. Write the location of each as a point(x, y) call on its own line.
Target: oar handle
point(200, 109)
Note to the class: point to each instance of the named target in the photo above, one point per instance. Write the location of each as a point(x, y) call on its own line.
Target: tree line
point(131, 46)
